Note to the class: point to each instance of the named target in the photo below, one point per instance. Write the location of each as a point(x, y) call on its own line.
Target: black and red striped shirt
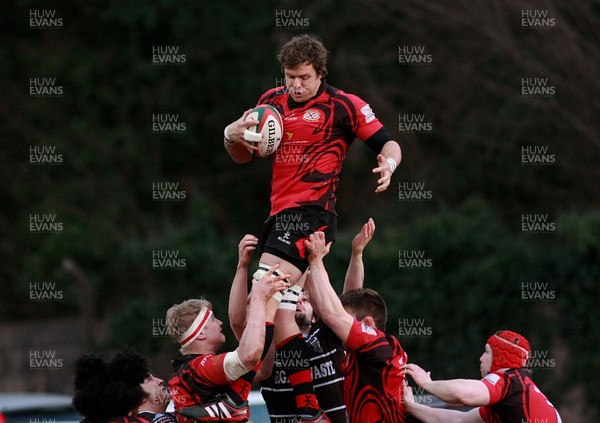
point(317, 135)
point(374, 383)
point(514, 398)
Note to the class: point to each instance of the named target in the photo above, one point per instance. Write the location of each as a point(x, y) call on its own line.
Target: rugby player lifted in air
point(320, 123)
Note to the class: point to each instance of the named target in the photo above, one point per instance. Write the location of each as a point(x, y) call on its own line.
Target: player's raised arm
point(322, 294)
point(235, 143)
point(355, 275)
point(252, 340)
point(238, 294)
point(388, 159)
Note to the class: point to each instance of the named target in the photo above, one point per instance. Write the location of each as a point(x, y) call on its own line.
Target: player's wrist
point(392, 163)
point(226, 136)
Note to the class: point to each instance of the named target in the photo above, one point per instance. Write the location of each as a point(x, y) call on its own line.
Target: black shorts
point(285, 233)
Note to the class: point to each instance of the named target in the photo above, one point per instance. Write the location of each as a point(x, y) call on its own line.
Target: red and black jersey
point(118, 419)
point(326, 355)
point(514, 398)
point(373, 388)
point(197, 379)
point(317, 135)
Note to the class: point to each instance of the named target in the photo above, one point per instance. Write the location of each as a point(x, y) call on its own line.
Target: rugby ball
point(270, 127)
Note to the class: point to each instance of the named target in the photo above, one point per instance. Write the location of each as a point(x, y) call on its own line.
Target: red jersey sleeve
point(363, 120)
point(496, 386)
point(361, 336)
point(210, 369)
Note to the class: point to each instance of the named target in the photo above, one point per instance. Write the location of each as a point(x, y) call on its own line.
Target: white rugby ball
point(270, 127)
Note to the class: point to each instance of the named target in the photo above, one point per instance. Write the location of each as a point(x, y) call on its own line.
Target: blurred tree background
point(470, 161)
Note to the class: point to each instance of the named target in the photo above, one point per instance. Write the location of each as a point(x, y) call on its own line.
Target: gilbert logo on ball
point(267, 134)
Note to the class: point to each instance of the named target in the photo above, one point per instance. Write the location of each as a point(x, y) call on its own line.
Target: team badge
point(311, 115)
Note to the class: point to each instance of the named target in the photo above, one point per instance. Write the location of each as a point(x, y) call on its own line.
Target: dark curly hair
point(109, 388)
point(304, 49)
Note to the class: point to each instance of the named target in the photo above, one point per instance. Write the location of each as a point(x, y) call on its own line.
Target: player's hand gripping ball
point(267, 134)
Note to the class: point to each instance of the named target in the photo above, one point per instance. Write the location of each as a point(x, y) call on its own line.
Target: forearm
point(459, 391)
point(322, 294)
point(355, 275)
point(253, 337)
point(391, 149)
point(433, 415)
point(238, 297)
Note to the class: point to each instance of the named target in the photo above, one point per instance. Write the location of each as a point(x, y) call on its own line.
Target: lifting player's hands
point(385, 173)
point(420, 376)
point(408, 398)
point(317, 246)
point(245, 248)
point(362, 238)
point(238, 131)
point(269, 283)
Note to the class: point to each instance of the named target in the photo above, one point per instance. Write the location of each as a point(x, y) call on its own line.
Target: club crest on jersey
point(311, 115)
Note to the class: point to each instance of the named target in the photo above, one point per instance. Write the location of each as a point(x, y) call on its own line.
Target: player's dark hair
point(304, 49)
point(109, 388)
point(366, 302)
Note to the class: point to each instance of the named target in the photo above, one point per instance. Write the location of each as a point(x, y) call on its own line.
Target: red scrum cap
point(509, 350)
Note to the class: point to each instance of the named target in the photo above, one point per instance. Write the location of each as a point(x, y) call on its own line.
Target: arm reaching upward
point(238, 294)
point(322, 293)
point(355, 275)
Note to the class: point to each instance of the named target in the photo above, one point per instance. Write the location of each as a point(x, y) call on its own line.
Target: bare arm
point(469, 392)
point(238, 294)
point(390, 150)
point(437, 415)
point(355, 275)
point(322, 294)
point(252, 340)
point(236, 146)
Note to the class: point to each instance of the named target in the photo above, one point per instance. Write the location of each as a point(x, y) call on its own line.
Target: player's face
point(304, 311)
point(157, 392)
point(213, 331)
point(302, 82)
point(485, 361)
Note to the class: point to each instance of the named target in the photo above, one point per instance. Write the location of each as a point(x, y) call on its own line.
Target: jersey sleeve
point(495, 383)
point(368, 342)
point(362, 118)
point(209, 369)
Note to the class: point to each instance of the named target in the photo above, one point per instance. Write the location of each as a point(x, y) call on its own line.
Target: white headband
point(192, 332)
